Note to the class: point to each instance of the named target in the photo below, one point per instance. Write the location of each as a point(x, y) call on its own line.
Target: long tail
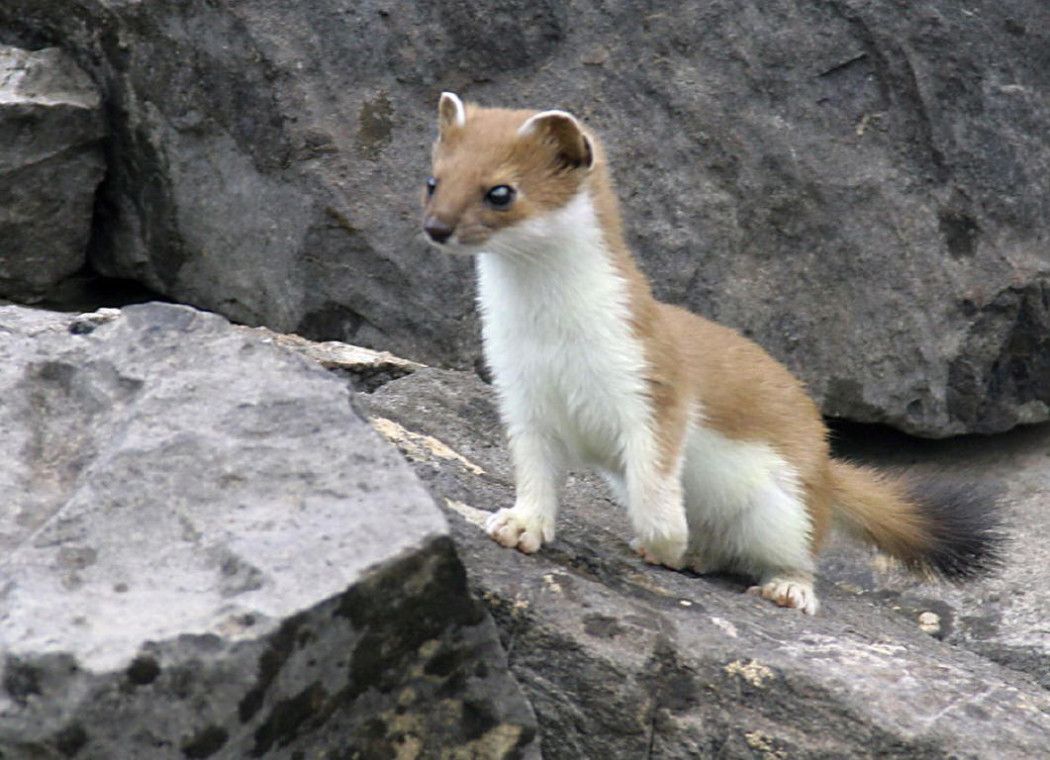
point(935, 527)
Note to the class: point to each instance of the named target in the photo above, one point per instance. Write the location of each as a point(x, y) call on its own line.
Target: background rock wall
point(858, 185)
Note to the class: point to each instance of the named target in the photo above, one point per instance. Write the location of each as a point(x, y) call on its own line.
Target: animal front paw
point(520, 528)
point(789, 592)
point(666, 551)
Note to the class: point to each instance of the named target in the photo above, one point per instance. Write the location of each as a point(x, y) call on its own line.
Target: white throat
point(558, 333)
point(552, 272)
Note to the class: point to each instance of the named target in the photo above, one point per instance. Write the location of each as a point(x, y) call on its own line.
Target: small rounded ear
point(451, 112)
point(561, 130)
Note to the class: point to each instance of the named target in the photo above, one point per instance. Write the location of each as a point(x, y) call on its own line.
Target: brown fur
point(878, 508)
point(746, 394)
point(749, 396)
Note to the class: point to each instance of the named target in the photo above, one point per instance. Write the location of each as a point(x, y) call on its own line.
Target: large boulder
point(51, 130)
point(859, 185)
point(206, 552)
point(623, 660)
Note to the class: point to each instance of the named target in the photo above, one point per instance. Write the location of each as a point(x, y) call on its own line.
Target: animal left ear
point(451, 112)
point(564, 133)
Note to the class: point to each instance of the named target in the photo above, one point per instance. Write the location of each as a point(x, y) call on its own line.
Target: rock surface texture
point(623, 660)
point(51, 130)
point(858, 184)
point(1005, 617)
point(206, 552)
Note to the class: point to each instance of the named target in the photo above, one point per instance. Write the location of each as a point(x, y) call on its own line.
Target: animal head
point(494, 169)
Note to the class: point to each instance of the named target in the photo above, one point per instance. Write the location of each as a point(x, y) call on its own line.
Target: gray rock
point(51, 130)
point(623, 660)
point(858, 185)
point(205, 552)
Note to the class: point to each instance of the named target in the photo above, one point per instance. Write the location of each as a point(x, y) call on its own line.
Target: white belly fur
point(744, 506)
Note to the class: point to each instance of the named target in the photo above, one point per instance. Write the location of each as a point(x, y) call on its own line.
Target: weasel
point(716, 451)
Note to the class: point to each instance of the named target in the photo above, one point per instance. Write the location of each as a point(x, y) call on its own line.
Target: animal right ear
point(564, 134)
point(451, 112)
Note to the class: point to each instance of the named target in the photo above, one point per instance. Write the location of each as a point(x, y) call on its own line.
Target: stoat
point(714, 448)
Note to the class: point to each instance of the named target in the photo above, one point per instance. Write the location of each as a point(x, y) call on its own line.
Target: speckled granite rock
point(205, 552)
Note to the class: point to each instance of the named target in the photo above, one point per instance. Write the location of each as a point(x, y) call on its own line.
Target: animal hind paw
point(788, 591)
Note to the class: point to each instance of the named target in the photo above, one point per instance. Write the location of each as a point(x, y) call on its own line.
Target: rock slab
point(206, 552)
point(623, 660)
point(51, 163)
point(858, 184)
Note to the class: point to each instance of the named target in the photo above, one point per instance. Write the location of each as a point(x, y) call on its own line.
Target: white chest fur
point(557, 333)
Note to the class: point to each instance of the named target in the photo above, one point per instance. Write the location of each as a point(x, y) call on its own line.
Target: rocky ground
point(623, 660)
point(209, 554)
point(1006, 617)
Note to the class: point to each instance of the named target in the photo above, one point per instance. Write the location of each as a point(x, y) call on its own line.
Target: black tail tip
point(967, 539)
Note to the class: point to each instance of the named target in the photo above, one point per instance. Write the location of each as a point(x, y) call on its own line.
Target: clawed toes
point(795, 594)
point(511, 531)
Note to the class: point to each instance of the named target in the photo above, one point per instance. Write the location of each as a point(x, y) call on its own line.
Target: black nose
point(437, 230)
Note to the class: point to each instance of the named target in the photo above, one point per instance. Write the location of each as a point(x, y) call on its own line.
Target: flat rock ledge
point(208, 553)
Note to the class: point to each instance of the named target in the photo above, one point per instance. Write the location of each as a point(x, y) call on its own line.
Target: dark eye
point(500, 196)
point(432, 184)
